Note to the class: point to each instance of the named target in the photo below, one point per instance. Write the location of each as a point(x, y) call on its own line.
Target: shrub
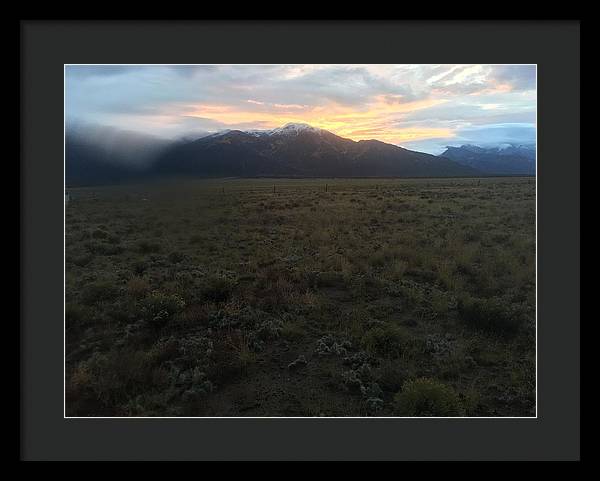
point(490, 315)
point(330, 345)
point(113, 377)
point(113, 239)
point(139, 267)
point(99, 291)
point(217, 289)
point(292, 330)
point(427, 397)
point(101, 248)
point(330, 279)
point(269, 329)
point(99, 234)
point(388, 340)
point(298, 363)
point(175, 257)
point(82, 260)
point(243, 349)
point(390, 377)
point(158, 308)
point(137, 287)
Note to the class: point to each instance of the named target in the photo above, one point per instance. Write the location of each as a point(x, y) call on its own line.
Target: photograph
point(300, 240)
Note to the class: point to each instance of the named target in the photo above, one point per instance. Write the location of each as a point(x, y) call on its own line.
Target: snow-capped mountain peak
point(293, 128)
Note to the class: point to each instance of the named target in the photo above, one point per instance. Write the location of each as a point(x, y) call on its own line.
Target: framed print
point(342, 249)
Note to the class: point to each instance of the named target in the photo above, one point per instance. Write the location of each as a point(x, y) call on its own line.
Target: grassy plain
point(329, 297)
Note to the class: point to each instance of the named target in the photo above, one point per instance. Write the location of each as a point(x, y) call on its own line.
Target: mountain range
point(295, 150)
point(508, 159)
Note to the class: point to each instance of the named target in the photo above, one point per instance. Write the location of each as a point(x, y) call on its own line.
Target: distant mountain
point(299, 150)
point(506, 159)
point(103, 155)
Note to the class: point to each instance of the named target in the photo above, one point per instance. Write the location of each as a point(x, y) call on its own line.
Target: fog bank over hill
point(116, 146)
point(97, 154)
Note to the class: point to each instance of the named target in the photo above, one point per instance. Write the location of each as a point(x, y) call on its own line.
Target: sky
point(420, 107)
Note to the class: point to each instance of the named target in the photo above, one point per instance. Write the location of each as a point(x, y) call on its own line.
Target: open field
point(375, 297)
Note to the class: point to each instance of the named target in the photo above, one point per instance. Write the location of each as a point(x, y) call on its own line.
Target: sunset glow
point(419, 106)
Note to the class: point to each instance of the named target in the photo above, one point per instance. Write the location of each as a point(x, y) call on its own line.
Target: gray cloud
point(487, 135)
point(520, 77)
point(164, 100)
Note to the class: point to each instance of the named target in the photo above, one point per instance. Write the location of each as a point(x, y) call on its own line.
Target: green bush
point(427, 397)
point(491, 315)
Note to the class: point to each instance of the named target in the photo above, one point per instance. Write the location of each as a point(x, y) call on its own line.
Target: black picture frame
point(47, 45)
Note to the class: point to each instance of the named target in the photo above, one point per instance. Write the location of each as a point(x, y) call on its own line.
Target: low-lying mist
point(112, 145)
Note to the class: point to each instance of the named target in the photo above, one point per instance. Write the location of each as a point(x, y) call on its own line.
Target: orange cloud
point(379, 119)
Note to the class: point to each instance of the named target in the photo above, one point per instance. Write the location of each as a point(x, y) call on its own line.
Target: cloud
point(392, 103)
point(485, 135)
point(519, 77)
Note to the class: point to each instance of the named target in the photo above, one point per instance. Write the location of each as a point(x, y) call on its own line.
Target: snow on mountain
point(288, 129)
point(293, 128)
point(500, 159)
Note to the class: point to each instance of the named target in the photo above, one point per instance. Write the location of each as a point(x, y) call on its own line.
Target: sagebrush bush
point(427, 397)
point(158, 308)
point(491, 315)
point(113, 377)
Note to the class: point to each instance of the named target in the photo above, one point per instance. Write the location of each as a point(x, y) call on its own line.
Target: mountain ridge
point(506, 159)
point(293, 150)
